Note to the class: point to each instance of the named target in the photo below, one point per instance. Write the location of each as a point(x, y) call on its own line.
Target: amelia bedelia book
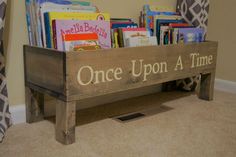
point(62, 27)
point(50, 16)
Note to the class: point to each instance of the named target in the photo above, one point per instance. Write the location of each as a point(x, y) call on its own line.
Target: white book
point(163, 31)
point(143, 41)
point(134, 33)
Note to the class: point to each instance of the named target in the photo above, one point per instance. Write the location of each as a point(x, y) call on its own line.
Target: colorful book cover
point(150, 11)
point(75, 42)
point(61, 6)
point(191, 35)
point(50, 16)
point(62, 27)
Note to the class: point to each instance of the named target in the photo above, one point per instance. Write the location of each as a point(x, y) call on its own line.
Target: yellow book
point(162, 8)
point(50, 16)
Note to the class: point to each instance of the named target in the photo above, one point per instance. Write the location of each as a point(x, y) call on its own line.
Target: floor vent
point(125, 118)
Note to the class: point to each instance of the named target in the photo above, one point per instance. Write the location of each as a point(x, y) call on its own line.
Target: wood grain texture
point(65, 122)
point(34, 105)
point(44, 68)
point(111, 58)
point(207, 86)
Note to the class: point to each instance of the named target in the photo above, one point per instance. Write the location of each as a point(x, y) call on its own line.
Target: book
point(50, 16)
point(117, 34)
point(134, 33)
point(175, 35)
point(190, 35)
point(55, 6)
point(62, 27)
point(163, 17)
point(35, 18)
point(164, 35)
point(163, 22)
point(179, 25)
point(77, 42)
point(143, 41)
point(150, 11)
point(29, 22)
point(124, 25)
point(121, 20)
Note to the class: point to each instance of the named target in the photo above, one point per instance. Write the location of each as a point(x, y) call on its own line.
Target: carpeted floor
point(183, 126)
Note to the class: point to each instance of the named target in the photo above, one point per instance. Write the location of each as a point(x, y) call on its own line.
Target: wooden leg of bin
point(65, 122)
point(207, 86)
point(34, 105)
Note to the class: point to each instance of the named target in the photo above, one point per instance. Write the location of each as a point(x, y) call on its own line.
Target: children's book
point(164, 35)
point(134, 33)
point(77, 42)
point(150, 11)
point(35, 19)
point(190, 35)
point(164, 17)
point(162, 22)
point(121, 20)
point(124, 25)
point(50, 16)
point(143, 41)
point(61, 7)
point(62, 27)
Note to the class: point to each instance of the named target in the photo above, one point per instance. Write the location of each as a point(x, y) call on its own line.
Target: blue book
point(191, 35)
point(124, 25)
point(47, 30)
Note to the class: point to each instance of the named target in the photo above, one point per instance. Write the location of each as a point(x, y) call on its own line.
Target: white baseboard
point(18, 114)
point(18, 111)
point(226, 86)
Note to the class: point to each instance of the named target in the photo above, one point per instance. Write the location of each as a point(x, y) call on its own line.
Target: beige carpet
point(185, 127)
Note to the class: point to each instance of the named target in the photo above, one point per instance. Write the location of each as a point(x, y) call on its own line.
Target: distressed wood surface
point(113, 58)
point(65, 122)
point(57, 74)
point(207, 86)
point(44, 68)
point(34, 105)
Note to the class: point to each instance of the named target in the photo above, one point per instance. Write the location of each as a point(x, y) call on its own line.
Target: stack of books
point(168, 26)
point(72, 25)
point(126, 33)
point(66, 23)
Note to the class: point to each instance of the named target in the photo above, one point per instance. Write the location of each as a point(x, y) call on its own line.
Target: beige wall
point(221, 28)
point(17, 36)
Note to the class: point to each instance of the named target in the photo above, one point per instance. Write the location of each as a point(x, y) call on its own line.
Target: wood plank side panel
point(122, 58)
point(45, 68)
point(34, 105)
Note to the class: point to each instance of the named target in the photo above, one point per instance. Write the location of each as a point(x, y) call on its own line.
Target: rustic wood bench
point(72, 76)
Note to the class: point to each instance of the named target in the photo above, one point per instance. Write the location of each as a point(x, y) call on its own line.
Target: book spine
point(120, 37)
point(54, 28)
point(47, 30)
point(116, 38)
point(28, 20)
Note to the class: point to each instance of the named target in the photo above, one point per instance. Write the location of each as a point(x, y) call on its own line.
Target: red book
point(176, 25)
